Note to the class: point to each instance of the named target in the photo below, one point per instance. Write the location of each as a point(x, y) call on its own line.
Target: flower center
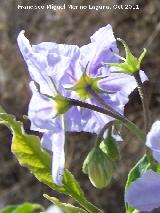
point(85, 84)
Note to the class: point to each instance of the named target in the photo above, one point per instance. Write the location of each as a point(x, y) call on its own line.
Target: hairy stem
point(144, 101)
point(127, 123)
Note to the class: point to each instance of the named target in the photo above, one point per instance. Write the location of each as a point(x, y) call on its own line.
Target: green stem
point(127, 123)
point(84, 202)
point(151, 158)
point(131, 126)
point(144, 101)
point(90, 207)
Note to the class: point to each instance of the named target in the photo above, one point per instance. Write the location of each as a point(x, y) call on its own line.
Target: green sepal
point(131, 64)
point(22, 208)
point(84, 82)
point(66, 207)
point(62, 104)
point(110, 147)
point(137, 171)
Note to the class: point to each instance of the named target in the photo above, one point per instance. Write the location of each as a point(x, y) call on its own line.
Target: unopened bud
point(98, 167)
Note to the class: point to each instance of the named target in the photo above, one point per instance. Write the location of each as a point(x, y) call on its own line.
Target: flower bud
point(98, 167)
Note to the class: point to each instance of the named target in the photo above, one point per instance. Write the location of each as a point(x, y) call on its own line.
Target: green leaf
point(22, 208)
point(66, 207)
point(29, 153)
point(137, 171)
point(72, 185)
point(74, 189)
point(9, 209)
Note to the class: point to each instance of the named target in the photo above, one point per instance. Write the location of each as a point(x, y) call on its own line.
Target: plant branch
point(127, 123)
point(144, 101)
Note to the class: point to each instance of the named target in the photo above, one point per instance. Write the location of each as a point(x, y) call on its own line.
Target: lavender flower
point(144, 193)
point(153, 140)
point(69, 69)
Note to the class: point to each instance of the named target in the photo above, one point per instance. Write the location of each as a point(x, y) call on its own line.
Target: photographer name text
point(78, 7)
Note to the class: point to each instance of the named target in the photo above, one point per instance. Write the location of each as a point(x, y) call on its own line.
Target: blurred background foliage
point(140, 28)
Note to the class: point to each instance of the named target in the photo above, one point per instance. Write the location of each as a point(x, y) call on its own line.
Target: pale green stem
point(144, 101)
point(127, 123)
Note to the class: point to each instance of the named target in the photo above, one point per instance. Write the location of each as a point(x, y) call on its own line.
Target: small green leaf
point(9, 209)
point(22, 208)
point(72, 185)
point(66, 207)
point(74, 190)
point(137, 171)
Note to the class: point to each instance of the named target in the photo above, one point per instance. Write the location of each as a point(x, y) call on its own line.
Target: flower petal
point(36, 62)
point(156, 155)
point(41, 112)
point(153, 137)
point(121, 84)
point(104, 36)
point(93, 121)
point(61, 60)
point(55, 143)
point(100, 50)
point(144, 194)
point(153, 140)
point(73, 119)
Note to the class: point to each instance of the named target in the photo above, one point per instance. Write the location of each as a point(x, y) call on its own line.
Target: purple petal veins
point(64, 64)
